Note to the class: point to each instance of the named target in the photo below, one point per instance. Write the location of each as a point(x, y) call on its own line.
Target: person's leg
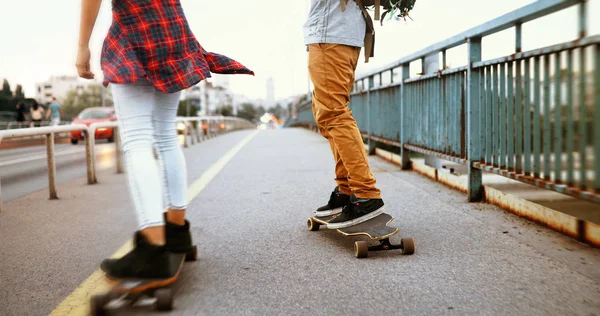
point(341, 174)
point(332, 72)
point(332, 69)
point(149, 258)
point(341, 193)
point(134, 107)
point(174, 173)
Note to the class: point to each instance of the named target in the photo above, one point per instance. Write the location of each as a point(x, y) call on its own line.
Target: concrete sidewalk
point(258, 258)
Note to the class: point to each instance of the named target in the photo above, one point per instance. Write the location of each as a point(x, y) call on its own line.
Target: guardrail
point(531, 116)
point(26, 124)
point(196, 128)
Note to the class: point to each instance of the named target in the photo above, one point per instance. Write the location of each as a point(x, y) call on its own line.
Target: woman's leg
point(170, 155)
point(134, 107)
point(172, 162)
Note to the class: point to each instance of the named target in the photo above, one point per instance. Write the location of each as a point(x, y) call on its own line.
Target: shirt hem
point(334, 40)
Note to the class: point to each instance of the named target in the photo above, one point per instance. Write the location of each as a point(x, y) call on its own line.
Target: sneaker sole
point(335, 211)
point(357, 221)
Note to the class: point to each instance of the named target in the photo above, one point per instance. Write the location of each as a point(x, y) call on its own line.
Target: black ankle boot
point(144, 261)
point(178, 237)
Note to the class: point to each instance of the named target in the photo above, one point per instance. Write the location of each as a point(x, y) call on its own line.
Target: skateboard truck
point(362, 248)
point(377, 229)
point(385, 244)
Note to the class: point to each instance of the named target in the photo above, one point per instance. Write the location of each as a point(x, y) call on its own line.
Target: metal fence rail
point(26, 124)
point(532, 116)
point(196, 129)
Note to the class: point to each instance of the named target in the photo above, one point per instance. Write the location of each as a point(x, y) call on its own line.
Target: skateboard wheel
point(192, 255)
point(361, 249)
point(98, 303)
point(164, 299)
point(313, 226)
point(408, 246)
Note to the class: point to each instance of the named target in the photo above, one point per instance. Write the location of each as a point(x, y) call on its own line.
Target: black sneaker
point(356, 212)
point(178, 237)
point(337, 201)
point(144, 261)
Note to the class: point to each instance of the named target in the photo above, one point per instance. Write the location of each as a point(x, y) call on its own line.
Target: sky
point(39, 37)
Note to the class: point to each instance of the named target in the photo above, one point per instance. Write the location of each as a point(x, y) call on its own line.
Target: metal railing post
point(118, 150)
point(190, 127)
point(197, 130)
point(51, 166)
point(370, 142)
point(185, 135)
point(475, 183)
point(404, 152)
point(90, 158)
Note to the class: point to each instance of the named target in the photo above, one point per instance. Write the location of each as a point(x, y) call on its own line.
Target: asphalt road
point(258, 258)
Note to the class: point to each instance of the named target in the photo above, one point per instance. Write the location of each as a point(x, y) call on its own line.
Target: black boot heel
point(192, 255)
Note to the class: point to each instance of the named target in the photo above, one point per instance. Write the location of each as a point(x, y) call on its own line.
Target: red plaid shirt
point(151, 39)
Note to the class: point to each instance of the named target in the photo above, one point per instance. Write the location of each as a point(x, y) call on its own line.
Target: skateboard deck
point(377, 229)
point(142, 291)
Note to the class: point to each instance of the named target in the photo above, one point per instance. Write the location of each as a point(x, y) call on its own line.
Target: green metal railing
point(532, 116)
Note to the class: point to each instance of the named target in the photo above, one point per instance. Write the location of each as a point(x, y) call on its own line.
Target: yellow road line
point(78, 302)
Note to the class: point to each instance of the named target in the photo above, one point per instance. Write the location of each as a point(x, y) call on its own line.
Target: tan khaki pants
point(331, 68)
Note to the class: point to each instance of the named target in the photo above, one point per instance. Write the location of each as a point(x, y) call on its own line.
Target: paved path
point(257, 258)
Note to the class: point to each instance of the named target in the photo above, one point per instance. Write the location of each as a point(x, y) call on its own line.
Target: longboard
point(142, 291)
point(377, 229)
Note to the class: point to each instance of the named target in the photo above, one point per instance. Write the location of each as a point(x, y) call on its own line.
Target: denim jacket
point(328, 24)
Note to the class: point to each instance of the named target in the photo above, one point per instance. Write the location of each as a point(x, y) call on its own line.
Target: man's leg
point(340, 196)
point(341, 174)
point(332, 69)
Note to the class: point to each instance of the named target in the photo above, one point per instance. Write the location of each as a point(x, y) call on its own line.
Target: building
point(210, 95)
point(270, 85)
point(58, 87)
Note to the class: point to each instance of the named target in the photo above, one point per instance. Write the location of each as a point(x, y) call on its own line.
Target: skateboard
point(377, 229)
point(142, 291)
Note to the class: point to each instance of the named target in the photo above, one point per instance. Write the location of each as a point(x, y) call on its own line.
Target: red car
point(95, 115)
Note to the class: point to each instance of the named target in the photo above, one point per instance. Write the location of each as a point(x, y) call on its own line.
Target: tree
point(19, 94)
point(79, 100)
point(260, 111)
point(183, 104)
point(248, 112)
point(6, 89)
point(226, 110)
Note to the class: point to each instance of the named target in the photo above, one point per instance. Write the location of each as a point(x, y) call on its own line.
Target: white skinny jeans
point(147, 118)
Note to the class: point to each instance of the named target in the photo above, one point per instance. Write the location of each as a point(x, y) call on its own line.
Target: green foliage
point(7, 103)
point(226, 110)
point(248, 112)
point(79, 100)
point(19, 94)
point(6, 91)
point(183, 108)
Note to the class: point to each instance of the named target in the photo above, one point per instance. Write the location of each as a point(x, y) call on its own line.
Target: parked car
point(95, 115)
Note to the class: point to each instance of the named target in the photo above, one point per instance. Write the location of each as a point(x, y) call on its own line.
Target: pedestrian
point(53, 113)
point(21, 114)
point(147, 64)
point(334, 33)
point(37, 114)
